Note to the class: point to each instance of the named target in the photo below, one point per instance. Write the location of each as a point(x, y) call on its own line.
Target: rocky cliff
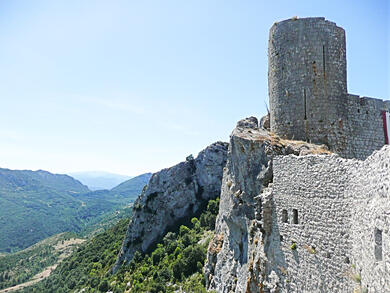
point(173, 195)
point(295, 218)
point(237, 259)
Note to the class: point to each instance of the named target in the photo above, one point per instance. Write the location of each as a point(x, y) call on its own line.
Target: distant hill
point(37, 204)
point(124, 193)
point(19, 179)
point(96, 180)
point(131, 187)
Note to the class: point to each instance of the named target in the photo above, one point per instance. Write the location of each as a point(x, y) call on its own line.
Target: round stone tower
point(307, 80)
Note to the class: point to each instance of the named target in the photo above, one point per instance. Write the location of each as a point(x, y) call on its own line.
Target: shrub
point(184, 230)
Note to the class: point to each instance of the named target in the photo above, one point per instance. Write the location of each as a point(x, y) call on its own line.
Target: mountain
point(131, 186)
point(173, 195)
point(19, 179)
point(96, 180)
point(37, 204)
point(163, 224)
point(124, 193)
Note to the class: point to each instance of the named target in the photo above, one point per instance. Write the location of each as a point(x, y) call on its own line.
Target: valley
point(35, 205)
point(35, 263)
point(39, 204)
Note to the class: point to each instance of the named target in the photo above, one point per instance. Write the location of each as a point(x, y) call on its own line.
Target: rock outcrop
point(236, 260)
point(172, 195)
point(294, 217)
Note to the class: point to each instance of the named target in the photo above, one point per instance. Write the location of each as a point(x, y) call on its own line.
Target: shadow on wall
point(273, 249)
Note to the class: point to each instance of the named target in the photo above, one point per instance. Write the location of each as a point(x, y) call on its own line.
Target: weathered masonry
point(342, 234)
point(307, 81)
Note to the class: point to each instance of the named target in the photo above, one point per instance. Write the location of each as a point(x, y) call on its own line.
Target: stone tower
point(307, 81)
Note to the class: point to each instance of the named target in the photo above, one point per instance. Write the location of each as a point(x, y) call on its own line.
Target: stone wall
point(341, 233)
point(241, 255)
point(312, 247)
point(364, 126)
point(370, 225)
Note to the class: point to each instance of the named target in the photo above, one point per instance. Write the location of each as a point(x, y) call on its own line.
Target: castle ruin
point(293, 218)
point(307, 80)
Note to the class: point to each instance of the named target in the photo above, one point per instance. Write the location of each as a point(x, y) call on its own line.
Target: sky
point(136, 86)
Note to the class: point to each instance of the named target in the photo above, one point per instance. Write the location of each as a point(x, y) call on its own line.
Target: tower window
point(284, 216)
point(378, 244)
point(295, 216)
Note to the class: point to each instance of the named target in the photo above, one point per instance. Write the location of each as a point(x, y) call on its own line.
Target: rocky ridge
point(173, 195)
point(237, 255)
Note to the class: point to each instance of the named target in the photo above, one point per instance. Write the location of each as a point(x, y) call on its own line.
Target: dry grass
point(283, 270)
point(310, 249)
point(216, 243)
point(283, 142)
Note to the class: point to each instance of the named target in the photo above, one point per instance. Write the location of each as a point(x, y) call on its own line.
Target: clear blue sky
point(136, 86)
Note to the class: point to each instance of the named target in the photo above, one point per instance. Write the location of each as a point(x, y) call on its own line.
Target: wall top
point(296, 19)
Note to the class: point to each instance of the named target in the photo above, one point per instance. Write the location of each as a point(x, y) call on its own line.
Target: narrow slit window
point(323, 61)
point(305, 103)
point(284, 216)
point(378, 244)
point(295, 216)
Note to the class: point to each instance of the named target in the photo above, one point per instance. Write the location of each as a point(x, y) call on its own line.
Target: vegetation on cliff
point(176, 262)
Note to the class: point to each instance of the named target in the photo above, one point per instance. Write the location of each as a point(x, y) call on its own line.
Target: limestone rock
point(173, 194)
point(236, 257)
point(265, 122)
point(293, 216)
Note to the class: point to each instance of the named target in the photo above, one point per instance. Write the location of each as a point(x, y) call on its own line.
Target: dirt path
point(65, 247)
point(35, 279)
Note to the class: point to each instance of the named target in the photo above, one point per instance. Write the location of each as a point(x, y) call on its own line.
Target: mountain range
point(37, 204)
point(96, 180)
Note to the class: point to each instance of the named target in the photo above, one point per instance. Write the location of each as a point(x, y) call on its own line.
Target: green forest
point(22, 266)
point(35, 205)
point(175, 262)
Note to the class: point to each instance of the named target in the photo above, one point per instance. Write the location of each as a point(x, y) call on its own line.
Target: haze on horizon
point(132, 87)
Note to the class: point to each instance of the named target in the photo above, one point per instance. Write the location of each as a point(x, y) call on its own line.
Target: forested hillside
point(37, 204)
point(130, 188)
point(176, 262)
point(24, 265)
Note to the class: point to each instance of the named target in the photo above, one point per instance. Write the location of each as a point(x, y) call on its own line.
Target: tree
point(103, 286)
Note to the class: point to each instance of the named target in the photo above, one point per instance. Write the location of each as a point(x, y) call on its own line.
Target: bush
point(177, 269)
point(184, 230)
point(103, 286)
point(158, 255)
